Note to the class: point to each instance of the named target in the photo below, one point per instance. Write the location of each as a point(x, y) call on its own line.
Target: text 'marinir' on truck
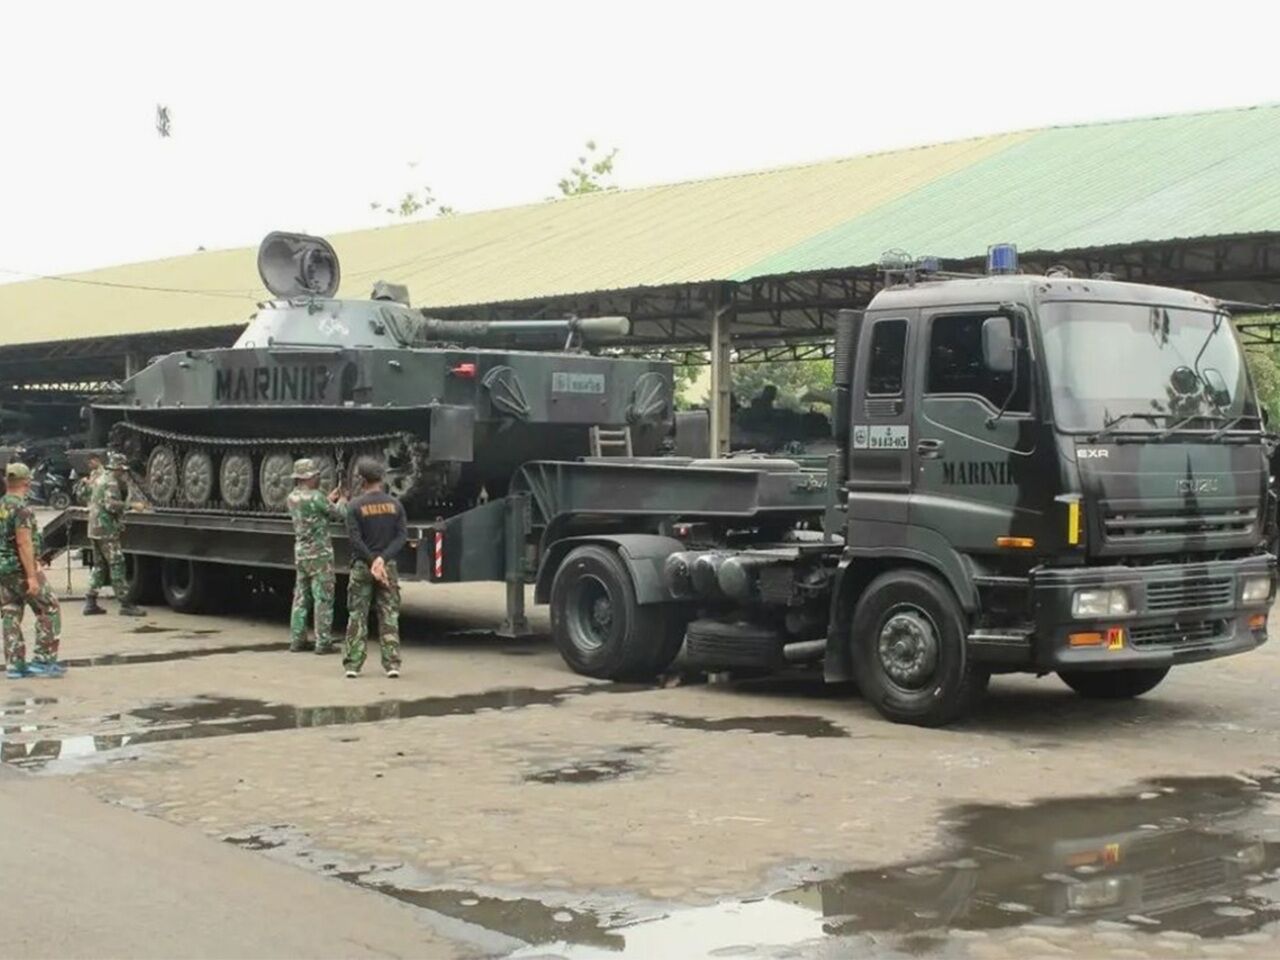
point(1041, 474)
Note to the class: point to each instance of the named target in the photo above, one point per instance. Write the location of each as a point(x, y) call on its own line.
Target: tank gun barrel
point(486, 331)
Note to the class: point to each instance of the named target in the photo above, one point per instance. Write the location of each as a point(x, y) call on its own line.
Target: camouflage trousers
point(108, 559)
point(312, 587)
point(362, 592)
point(13, 602)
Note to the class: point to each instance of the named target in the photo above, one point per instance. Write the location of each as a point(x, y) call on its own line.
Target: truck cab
point(1072, 470)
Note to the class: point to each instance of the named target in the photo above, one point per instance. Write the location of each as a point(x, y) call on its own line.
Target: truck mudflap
point(1176, 613)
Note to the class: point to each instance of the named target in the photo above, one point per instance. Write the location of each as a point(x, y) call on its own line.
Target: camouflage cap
point(117, 461)
point(17, 471)
point(305, 469)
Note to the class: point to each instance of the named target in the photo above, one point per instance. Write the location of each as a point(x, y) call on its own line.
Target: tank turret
point(452, 406)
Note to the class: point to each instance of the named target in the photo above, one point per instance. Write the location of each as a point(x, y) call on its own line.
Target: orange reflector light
point(1115, 638)
point(1085, 639)
point(1018, 543)
point(1258, 621)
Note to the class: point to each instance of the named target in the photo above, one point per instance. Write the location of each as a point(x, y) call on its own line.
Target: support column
point(720, 314)
point(517, 525)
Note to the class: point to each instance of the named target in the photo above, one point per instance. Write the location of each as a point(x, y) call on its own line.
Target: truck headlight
point(1099, 603)
point(1255, 589)
point(1095, 894)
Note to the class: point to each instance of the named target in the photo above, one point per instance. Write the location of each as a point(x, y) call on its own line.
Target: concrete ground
point(250, 802)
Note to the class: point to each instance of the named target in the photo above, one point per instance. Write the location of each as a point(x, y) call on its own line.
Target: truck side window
point(888, 350)
point(956, 367)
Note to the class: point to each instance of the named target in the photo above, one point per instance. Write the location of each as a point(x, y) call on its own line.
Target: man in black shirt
point(376, 527)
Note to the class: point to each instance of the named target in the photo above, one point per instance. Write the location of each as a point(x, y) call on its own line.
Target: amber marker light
point(1016, 543)
point(1091, 639)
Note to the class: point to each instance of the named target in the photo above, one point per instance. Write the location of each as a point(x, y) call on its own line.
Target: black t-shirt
point(377, 526)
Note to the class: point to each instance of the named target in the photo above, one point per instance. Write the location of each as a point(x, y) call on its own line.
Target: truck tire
point(1114, 684)
point(187, 585)
point(600, 629)
point(142, 576)
point(907, 644)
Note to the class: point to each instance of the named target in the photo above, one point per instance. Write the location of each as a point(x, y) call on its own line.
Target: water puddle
point(118, 659)
point(229, 716)
point(786, 726)
point(624, 762)
point(1175, 860)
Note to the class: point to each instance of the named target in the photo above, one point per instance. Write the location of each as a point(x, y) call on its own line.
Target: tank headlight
point(1110, 602)
point(1255, 590)
point(1095, 894)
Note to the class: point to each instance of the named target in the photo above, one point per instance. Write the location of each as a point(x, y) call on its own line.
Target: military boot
point(91, 607)
point(127, 609)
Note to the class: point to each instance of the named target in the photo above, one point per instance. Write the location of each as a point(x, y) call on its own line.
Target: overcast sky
point(298, 115)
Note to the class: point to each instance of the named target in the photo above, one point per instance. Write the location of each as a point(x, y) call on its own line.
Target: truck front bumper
point(1179, 613)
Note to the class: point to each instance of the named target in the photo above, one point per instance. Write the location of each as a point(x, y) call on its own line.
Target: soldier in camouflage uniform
point(22, 584)
point(107, 507)
point(84, 485)
point(377, 530)
point(312, 512)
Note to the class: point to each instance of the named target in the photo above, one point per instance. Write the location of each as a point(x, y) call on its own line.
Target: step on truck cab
point(1044, 474)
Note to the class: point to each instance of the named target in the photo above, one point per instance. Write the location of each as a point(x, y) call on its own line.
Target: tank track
point(251, 475)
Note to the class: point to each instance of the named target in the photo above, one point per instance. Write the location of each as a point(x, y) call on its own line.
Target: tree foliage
point(591, 173)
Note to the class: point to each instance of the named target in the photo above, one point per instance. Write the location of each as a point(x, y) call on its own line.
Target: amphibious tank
point(452, 407)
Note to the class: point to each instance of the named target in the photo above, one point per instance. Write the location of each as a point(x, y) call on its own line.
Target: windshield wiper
point(1222, 430)
point(1174, 428)
point(1109, 425)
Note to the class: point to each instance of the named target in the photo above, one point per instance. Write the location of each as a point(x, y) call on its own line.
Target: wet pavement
point(230, 716)
point(1173, 861)
point(522, 811)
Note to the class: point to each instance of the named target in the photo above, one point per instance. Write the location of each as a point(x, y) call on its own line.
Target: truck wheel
point(600, 629)
point(142, 576)
point(908, 649)
point(1113, 684)
point(186, 585)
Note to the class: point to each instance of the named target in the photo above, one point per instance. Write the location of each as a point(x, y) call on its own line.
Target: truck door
point(880, 467)
point(973, 464)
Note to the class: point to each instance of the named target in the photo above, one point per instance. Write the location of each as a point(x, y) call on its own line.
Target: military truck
point(1033, 474)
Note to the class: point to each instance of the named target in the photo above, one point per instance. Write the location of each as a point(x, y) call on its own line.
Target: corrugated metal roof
point(1062, 188)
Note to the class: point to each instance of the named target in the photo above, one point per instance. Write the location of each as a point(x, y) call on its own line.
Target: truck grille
point(1195, 879)
point(1194, 592)
point(1176, 635)
point(1129, 525)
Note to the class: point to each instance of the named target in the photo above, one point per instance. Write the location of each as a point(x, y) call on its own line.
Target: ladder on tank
point(610, 443)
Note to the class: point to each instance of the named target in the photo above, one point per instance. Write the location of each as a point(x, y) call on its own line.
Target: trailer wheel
point(908, 650)
point(1114, 684)
point(187, 585)
point(142, 576)
point(600, 629)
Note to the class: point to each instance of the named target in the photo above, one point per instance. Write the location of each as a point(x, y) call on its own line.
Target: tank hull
point(451, 421)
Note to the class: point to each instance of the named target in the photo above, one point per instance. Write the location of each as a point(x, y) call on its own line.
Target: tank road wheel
point(600, 629)
point(1113, 684)
point(162, 474)
point(197, 478)
point(275, 479)
point(908, 649)
point(235, 479)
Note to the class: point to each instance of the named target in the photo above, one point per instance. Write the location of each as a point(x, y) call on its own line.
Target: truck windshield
point(1151, 367)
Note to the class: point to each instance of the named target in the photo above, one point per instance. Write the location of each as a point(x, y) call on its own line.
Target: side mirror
point(997, 344)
